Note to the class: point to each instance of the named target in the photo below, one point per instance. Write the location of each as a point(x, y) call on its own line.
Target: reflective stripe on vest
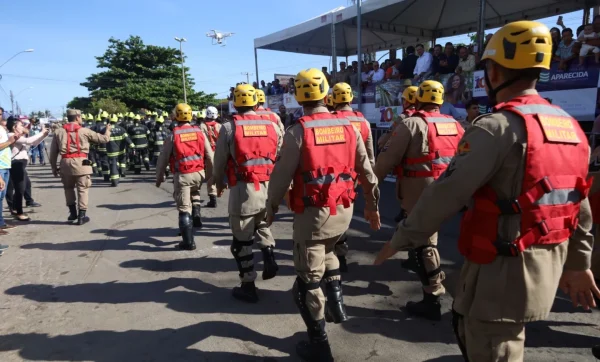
point(138, 136)
point(186, 159)
point(186, 130)
point(440, 120)
point(327, 122)
point(560, 197)
point(541, 108)
point(246, 122)
point(256, 162)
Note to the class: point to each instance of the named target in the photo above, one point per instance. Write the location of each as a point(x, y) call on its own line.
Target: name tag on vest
point(255, 130)
point(558, 129)
point(188, 137)
point(446, 129)
point(329, 135)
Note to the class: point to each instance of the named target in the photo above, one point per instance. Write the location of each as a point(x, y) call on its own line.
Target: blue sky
point(67, 34)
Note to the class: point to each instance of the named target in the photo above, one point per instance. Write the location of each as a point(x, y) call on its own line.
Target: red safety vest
point(359, 122)
point(255, 150)
point(325, 176)
point(554, 183)
point(261, 111)
point(443, 135)
point(409, 112)
point(73, 127)
point(188, 150)
point(213, 133)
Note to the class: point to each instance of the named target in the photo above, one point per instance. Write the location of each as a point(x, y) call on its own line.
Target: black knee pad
point(423, 274)
point(185, 219)
point(236, 249)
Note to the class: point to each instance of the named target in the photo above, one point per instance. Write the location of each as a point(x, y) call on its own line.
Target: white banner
point(289, 101)
point(387, 116)
point(479, 84)
point(579, 103)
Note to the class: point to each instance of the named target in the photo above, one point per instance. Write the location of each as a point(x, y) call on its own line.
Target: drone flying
point(218, 37)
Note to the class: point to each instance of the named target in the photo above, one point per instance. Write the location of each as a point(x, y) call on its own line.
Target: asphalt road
point(117, 289)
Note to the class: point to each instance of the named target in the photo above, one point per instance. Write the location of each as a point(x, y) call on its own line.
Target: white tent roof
point(396, 23)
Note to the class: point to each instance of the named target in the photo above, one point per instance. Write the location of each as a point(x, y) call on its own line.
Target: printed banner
point(289, 101)
point(575, 77)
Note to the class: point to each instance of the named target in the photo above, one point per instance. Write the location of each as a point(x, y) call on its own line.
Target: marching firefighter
point(246, 150)
point(320, 155)
point(262, 110)
point(158, 135)
point(88, 122)
point(168, 121)
point(139, 135)
point(189, 154)
point(342, 98)
point(419, 151)
point(72, 142)
point(116, 149)
point(101, 159)
point(329, 101)
point(521, 171)
point(211, 129)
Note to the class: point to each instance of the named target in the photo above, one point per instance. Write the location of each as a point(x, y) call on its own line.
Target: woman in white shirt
point(19, 159)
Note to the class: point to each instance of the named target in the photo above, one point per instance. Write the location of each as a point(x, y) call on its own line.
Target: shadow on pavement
point(119, 207)
point(161, 345)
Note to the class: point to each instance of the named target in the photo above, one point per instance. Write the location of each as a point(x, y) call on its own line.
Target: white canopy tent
point(392, 24)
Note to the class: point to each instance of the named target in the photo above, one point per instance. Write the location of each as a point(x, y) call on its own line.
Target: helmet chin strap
point(493, 92)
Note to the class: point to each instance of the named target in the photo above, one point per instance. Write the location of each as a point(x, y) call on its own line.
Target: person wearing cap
point(320, 156)
point(139, 135)
point(246, 150)
point(262, 110)
point(72, 143)
point(521, 173)
point(419, 151)
point(115, 150)
point(189, 155)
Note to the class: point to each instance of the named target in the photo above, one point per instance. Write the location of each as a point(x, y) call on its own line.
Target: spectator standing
point(5, 155)
point(448, 60)
point(263, 87)
point(409, 62)
point(364, 75)
point(286, 119)
point(466, 61)
point(342, 76)
point(424, 63)
point(394, 72)
point(555, 33)
point(564, 52)
point(19, 159)
point(354, 75)
point(290, 88)
point(584, 37)
point(435, 66)
point(276, 88)
point(327, 75)
point(37, 151)
point(377, 74)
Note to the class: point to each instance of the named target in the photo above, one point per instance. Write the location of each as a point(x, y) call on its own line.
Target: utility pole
point(247, 76)
point(12, 102)
point(181, 40)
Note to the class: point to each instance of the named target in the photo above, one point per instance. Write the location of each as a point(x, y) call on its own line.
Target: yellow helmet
point(521, 45)
point(90, 117)
point(183, 112)
point(104, 114)
point(410, 94)
point(431, 91)
point(120, 115)
point(261, 96)
point(310, 85)
point(329, 98)
point(137, 117)
point(131, 115)
point(244, 95)
point(114, 118)
point(160, 119)
point(202, 113)
point(342, 93)
point(98, 119)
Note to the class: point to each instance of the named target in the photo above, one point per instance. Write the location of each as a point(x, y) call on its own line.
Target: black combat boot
point(401, 216)
point(317, 348)
point(187, 232)
point(429, 308)
point(596, 351)
point(81, 218)
point(212, 201)
point(196, 216)
point(72, 213)
point(335, 311)
point(106, 177)
point(114, 183)
point(411, 263)
point(343, 263)
point(247, 292)
point(270, 267)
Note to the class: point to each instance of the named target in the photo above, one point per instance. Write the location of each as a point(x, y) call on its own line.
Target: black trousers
point(18, 179)
point(10, 192)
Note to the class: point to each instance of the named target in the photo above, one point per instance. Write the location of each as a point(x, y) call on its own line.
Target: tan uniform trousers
point(186, 190)
point(249, 228)
point(211, 188)
point(312, 258)
point(82, 183)
point(596, 254)
point(492, 341)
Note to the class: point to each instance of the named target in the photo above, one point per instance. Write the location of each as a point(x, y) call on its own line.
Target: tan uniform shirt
point(73, 166)
point(368, 142)
point(409, 140)
point(165, 158)
point(315, 223)
point(511, 289)
point(244, 200)
point(385, 138)
point(279, 123)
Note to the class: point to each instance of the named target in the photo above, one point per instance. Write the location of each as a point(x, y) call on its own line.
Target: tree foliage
point(112, 106)
point(82, 103)
point(141, 77)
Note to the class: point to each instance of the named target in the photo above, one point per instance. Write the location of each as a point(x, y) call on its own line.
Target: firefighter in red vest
point(72, 142)
point(409, 101)
point(189, 156)
point(419, 151)
point(247, 148)
point(211, 129)
point(521, 171)
point(321, 156)
point(594, 197)
point(262, 110)
point(341, 96)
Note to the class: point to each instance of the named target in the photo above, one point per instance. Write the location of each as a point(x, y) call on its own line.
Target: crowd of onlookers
point(569, 47)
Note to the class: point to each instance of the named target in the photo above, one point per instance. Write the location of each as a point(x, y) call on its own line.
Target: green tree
point(110, 105)
point(142, 77)
point(84, 104)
